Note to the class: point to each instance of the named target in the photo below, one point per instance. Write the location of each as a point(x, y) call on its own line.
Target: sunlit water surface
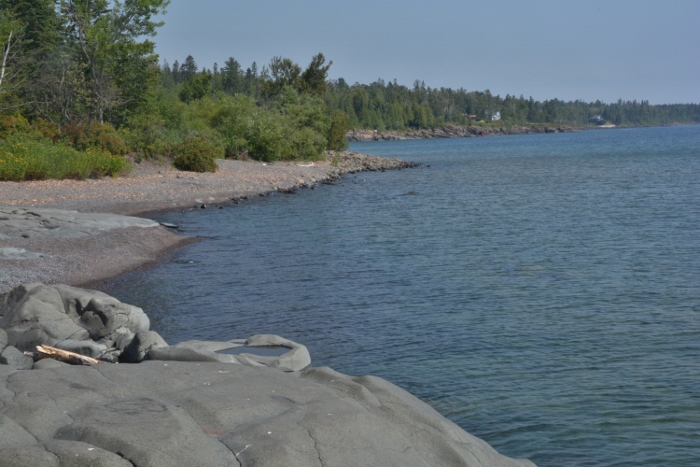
point(541, 291)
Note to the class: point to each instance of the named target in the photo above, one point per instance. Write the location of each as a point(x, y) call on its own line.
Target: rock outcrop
point(59, 223)
point(352, 162)
point(195, 404)
point(87, 322)
point(454, 131)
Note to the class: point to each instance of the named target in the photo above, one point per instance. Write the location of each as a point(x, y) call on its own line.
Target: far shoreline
point(473, 131)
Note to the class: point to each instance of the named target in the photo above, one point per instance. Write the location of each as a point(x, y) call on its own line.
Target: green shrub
point(197, 154)
point(12, 125)
point(338, 130)
point(231, 120)
point(94, 134)
point(266, 137)
point(305, 144)
point(46, 130)
point(25, 157)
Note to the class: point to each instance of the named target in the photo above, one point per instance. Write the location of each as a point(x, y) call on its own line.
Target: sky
point(565, 49)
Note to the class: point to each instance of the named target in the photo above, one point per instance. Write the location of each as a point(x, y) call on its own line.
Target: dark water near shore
point(542, 291)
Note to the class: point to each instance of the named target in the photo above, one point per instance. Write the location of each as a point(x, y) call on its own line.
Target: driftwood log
point(46, 351)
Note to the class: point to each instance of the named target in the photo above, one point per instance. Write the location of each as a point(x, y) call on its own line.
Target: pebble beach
point(151, 186)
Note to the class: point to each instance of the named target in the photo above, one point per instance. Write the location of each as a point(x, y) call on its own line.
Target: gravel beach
point(149, 187)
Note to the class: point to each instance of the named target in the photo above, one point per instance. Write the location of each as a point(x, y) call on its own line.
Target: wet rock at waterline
point(239, 402)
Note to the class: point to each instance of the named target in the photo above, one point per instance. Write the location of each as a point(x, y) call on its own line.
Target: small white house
point(496, 116)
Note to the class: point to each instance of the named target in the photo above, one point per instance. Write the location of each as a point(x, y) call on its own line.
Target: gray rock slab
point(79, 320)
point(59, 223)
point(141, 344)
point(171, 436)
point(78, 454)
point(16, 359)
point(18, 253)
point(197, 413)
point(46, 363)
point(28, 456)
point(14, 434)
point(296, 358)
point(185, 354)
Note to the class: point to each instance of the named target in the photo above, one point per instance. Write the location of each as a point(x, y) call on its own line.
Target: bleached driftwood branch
point(46, 351)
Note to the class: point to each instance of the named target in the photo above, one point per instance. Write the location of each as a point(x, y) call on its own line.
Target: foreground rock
point(210, 409)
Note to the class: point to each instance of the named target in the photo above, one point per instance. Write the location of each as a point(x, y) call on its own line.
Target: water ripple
point(541, 291)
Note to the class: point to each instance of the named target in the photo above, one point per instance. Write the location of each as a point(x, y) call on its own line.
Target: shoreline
point(456, 131)
point(471, 131)
point(150, 188)
point(219, 409)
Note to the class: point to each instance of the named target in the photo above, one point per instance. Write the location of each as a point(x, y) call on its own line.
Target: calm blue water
point(542, 291)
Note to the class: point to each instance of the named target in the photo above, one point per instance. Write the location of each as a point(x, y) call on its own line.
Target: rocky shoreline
point(26, 256)
point(239, 402)
point(455, 131)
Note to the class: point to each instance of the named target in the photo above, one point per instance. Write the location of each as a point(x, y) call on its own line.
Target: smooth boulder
point(84, 321)
point(161, 413)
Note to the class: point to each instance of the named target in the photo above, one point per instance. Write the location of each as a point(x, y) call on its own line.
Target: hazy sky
point(568, 49)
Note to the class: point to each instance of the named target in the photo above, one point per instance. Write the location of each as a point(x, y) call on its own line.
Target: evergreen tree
point(313, 79)
point(40, 24)
point(177, 78)
point(231, 76)
point(188, 70)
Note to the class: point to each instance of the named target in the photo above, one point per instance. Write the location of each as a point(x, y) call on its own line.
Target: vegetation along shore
point(94, 128)
point(81, 87)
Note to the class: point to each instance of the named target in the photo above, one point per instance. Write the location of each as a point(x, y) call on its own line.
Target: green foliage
point(231, 119)
point(153, 131)
point(11, 124)
point(197, 154)
point(294, 128)
point(338, 129)
point(195, 88)
point(29, 158)
point(105, 43)
point(101, 136)
point(313, 79)
point(395, 107)
point(266, 137)
point(283, 72)
point(39, 20)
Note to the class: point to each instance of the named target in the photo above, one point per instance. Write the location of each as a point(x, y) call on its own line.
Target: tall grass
point(26, 158)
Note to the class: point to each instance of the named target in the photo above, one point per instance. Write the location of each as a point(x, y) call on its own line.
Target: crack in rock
point(303, 417)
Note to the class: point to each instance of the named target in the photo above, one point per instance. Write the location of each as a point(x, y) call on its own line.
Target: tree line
point(389, 105)
point(83, 75)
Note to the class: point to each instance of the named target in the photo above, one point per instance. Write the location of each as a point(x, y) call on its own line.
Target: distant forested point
point(386, 106)
point(82, 78)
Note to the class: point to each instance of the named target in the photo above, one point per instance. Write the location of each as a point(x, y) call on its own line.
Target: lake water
point(541, 291)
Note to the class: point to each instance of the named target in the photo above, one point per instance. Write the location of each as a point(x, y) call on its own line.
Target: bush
point(94, 134)
point(231, 120)
point(265, 137)
point(197, 154)
point(337, 140)
point(305, 144)
point(30, 158)
point(12, 125)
